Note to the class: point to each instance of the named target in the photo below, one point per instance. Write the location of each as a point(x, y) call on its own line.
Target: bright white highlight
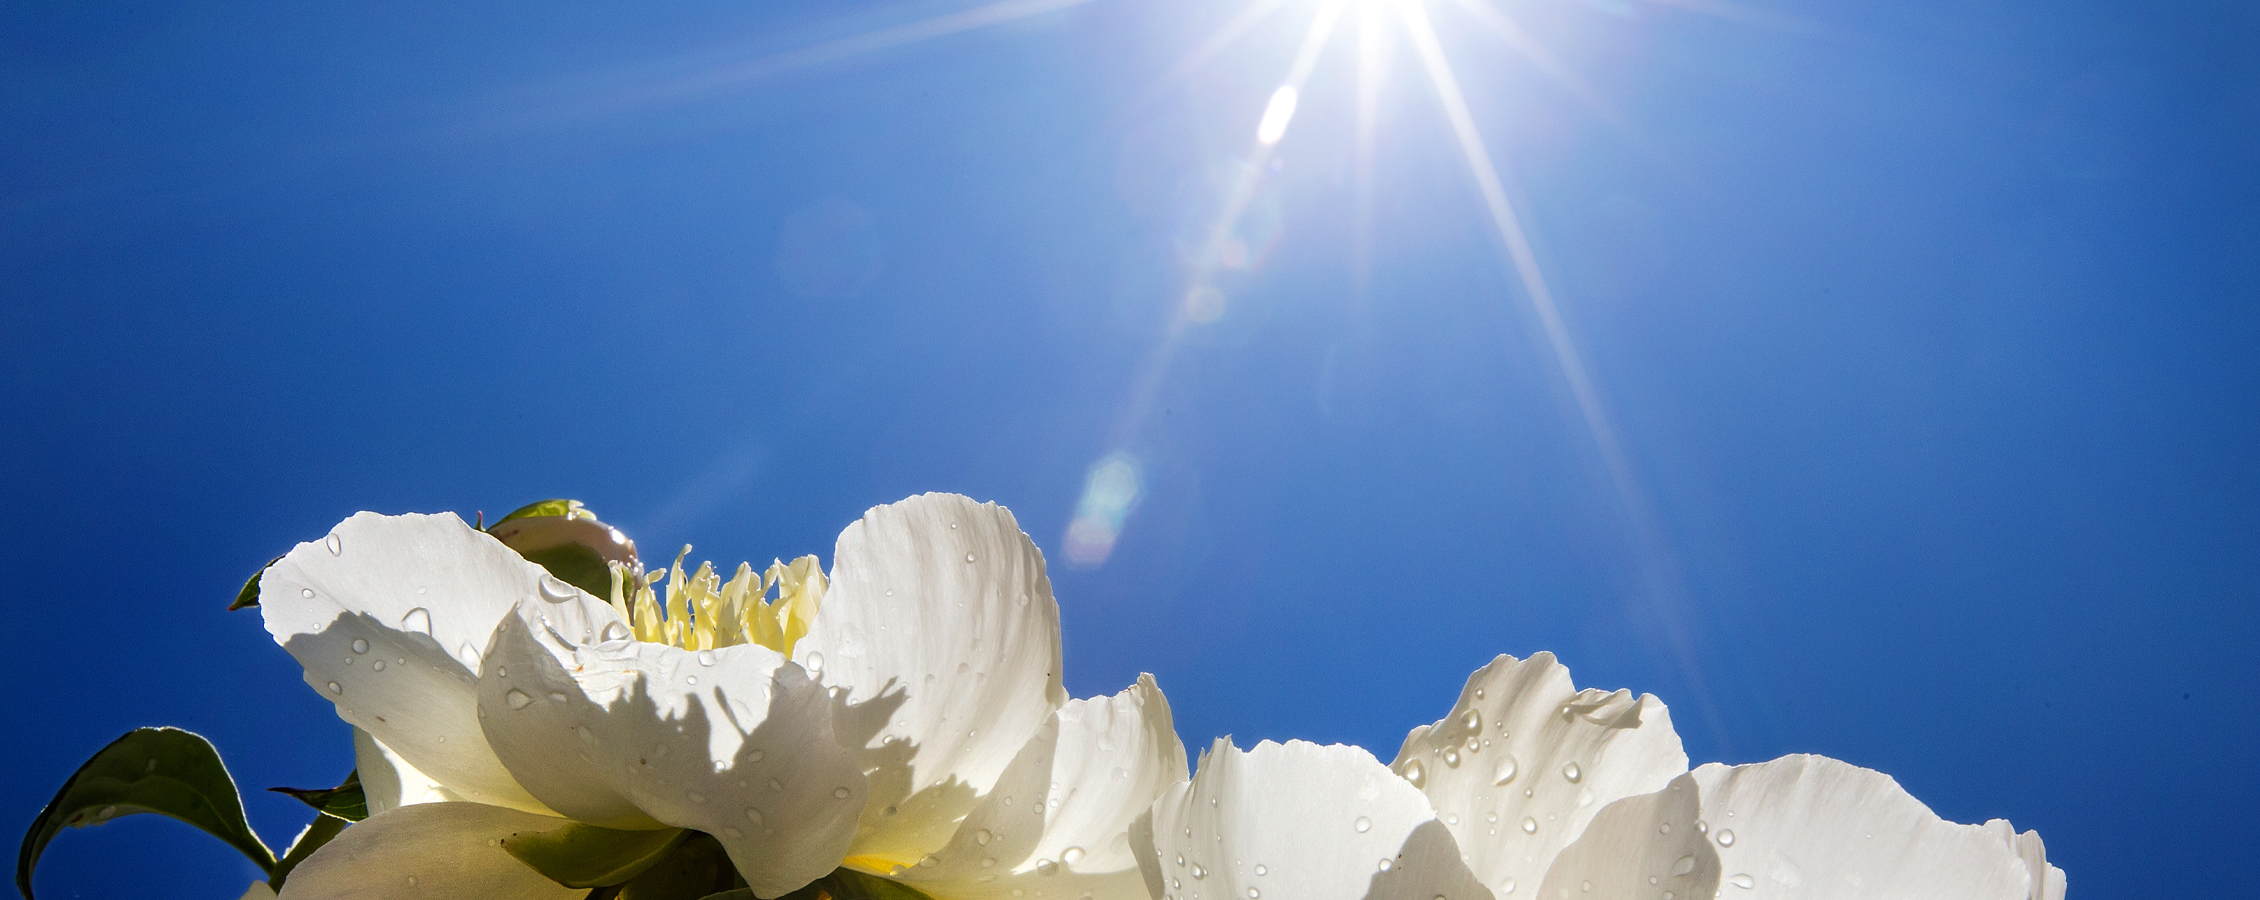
point(1277, 114)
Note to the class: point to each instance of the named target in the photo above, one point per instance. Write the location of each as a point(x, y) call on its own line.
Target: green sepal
point(585, 856)
point(323, 828)
point(849, 884)
point(696, 868)
point(249, 596)
point(577, 565)
point(150, 770)
point(344, 801)
point(570, 508)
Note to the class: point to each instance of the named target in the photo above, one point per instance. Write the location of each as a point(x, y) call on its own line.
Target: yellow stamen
point(702, 612)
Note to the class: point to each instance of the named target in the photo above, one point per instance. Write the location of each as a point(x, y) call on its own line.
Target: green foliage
point(572, 508)
point(699, 867)
point(578, 565)
point(249, 596)
point(585, 856)
point(344, 801)
point(317, 834)
point(849, 884)
point(150, 770)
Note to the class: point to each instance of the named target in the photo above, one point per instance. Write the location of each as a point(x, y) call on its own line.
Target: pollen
point(700, 611)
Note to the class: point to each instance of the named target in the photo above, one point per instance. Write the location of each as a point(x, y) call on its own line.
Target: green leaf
point(849, 884)
point(344, 801)
point(578, 565)
point(150, 770)
point(249, 596)
point(738, 894)
point(571, 508)
point(316, 834)
point(585, 856)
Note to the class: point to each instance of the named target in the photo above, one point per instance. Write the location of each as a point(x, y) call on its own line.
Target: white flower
point(1532, 788)
point(906, 719)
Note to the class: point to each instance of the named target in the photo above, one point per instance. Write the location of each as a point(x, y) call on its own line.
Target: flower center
point(703, 612)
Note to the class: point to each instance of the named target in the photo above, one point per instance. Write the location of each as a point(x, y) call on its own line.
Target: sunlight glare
point(1277, 114)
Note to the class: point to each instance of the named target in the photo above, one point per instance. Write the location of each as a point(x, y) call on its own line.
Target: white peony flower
point(904, 718)
point(1532, 788)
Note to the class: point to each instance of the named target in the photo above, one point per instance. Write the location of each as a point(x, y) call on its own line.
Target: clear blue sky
point(1928, 333)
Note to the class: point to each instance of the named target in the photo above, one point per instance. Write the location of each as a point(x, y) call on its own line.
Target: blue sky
point(1925, 333)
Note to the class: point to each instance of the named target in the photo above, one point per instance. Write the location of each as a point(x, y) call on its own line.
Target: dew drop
point(517, 699)
point(555, 590)
point(704, 657)
point(378, 666)
point(754, 816)
point(418, 620)
point(1071, 855)
point(1506, 770)
point(1743, 881)
point(1416, 773)
point(335, 688)
point(1253, 894)
point(969, 557)
point(1726, 837)
point(307, 593)
point(838, 793)
point(1573, 773)
point(988, 862)
point(1362, 825)
point(613, 631)
point(1702, 827)
point(1507, 886)
point(1198, 872)
point(1529, 825)
point(1585, 886)
point(1387, 864)
point(556, 697)
point(815, 663)
point(336, 546)
point(1261, 870)
point(1685, 865)
point(360, 646)
point(1585, 797)
point(1667, 895)
point(731, 832)
point(982, 837)
point(690, 679)
point(1664, 828)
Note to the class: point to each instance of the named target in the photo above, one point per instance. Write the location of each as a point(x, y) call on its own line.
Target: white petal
point(388, 615)
point(940, 624)
point(1298, 822)
point(1810, 826)
point(1644, 846)
point(389, 782)
point(735, 742)
point(1057, 823)
point(258, 891)
point(428, 850)
point(1526, 759)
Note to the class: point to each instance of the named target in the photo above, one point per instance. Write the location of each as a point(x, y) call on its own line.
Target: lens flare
point(1277, 114)
point(1109, 495)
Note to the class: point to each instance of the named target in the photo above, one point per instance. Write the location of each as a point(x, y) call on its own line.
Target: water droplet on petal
point(360, 646)
point(1416, 773)
point(704, 657)
point(336, 688)
point(307, 593)
point(1044, 867)
point(1685, 865)
point(988, 862)
point(418, 620)
point(1261, 870)
point(841, 793)
point(336, 546)
point(1726, 837)
point(982, 837)
point(1198, 872)
point(815, 665)
point(517, 699)
point(555, 590)
point(732, 833)
point(1452, 757)
point(614, 631)
point(1743, 881)
point(1472, 720)
point(1387, 864)
point(1507, 886)
point(1506, 770)
point(753, 815)
point(1573, 773)
point(1253, 894)
point(1529, 825)
point(969, 557)
point(1363, 824)
point(379, 665)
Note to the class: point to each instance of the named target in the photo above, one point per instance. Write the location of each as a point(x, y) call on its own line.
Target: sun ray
point(1656, 568)
point(1543, 59)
